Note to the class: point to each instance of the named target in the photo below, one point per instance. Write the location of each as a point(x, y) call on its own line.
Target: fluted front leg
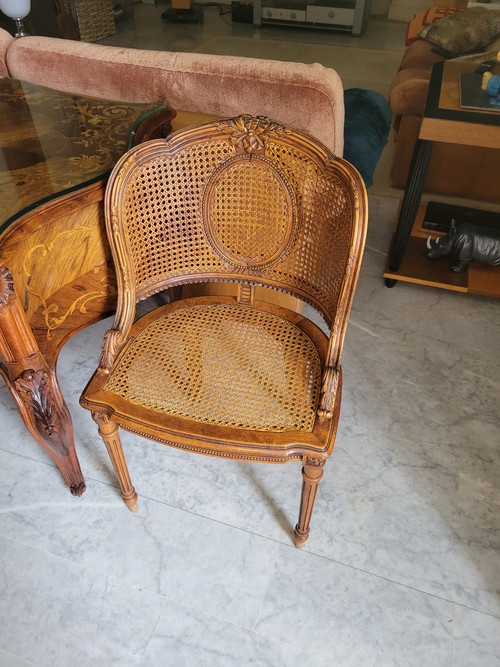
point(108, 430)
point(312, 472)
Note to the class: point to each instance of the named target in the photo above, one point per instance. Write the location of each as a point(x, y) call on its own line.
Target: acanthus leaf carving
point(6, 285)
point(34, 388)
point(113, 341)
point(331, 379)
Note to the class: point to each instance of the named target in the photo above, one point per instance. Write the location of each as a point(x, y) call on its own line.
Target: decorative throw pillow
point(366, 129)
point(469, 30)
point(427, 17)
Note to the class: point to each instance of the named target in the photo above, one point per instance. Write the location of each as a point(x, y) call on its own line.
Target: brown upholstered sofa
point(309, 97)
point(463, 171)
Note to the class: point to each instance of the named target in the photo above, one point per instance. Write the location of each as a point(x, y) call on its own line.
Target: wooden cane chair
point(247, 201)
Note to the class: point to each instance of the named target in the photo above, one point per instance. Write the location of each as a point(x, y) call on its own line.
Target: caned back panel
point(207, 206)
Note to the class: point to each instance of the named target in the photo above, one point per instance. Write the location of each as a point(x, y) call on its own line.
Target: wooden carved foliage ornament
point(6, 285)
point(33, 387)
point(249, 133)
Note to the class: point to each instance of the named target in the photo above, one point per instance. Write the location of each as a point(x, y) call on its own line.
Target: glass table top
point(53, 142)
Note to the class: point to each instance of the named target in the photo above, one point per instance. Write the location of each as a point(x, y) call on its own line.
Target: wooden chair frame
point(141, 195)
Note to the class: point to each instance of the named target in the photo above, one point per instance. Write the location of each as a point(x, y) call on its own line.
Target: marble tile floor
point(147, 30)
point(403, 562)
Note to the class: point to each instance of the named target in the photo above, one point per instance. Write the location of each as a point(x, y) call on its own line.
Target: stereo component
point(279, 14)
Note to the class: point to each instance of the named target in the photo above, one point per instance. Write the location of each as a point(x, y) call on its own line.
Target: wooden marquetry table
point(444, 120)
point(56, 275)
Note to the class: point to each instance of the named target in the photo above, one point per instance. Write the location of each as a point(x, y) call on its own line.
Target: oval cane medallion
point(248, 212)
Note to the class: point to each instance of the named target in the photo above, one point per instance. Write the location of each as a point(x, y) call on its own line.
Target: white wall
point(404, 10)
point(380, 7)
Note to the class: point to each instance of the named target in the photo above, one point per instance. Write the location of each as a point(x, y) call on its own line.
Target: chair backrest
point(243, 200)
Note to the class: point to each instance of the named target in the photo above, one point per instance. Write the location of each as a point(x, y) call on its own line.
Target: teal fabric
point(366, 130)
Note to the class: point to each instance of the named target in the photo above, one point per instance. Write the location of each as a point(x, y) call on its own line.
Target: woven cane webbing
point(226, 365)
point(318, 258)
point(95, 18)
point(248, 211)
point(163, 217)
point(173, 231)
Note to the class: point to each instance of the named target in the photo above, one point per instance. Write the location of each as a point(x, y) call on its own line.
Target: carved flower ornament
point(249, 133)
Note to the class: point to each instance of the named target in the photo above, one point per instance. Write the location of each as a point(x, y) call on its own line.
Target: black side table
point(444, 120)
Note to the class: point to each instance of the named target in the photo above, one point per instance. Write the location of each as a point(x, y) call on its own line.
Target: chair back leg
point(312, 472)
point(108, 430)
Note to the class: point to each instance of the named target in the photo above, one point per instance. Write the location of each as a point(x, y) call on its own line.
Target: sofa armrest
point(408, 92)
point(6, 40)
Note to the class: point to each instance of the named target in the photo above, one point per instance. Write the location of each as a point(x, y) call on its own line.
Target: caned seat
point(250, 202)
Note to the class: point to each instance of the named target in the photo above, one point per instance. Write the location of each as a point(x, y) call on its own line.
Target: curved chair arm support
point(116, 337)
point(112, 345)
point(331, 381)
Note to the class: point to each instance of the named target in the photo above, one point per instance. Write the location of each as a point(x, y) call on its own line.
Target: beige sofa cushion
point(309, 97)
point(6, 40)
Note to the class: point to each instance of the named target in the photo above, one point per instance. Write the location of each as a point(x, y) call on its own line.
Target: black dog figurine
point(467, 243)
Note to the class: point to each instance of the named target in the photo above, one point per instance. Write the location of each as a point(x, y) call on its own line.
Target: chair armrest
point(331, 379)
point(111, 347)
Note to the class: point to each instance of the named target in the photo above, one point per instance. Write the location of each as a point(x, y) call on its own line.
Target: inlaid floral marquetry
point(56, 152)
point(52, 142)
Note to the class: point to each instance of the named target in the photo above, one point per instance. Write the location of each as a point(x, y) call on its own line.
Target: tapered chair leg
point(312, 472)
point(108, 430)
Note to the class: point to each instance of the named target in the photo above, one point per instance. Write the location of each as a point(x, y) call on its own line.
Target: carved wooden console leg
point(35, 388)
point(108, 430)
point(312, 472)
